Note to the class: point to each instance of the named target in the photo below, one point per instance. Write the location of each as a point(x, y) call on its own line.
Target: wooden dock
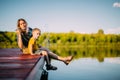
point(17, 66)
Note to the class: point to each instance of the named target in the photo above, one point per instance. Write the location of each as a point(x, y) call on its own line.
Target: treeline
point(9, 39)
point(71, 38)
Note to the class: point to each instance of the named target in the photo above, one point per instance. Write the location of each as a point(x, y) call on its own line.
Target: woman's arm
point(19, 39)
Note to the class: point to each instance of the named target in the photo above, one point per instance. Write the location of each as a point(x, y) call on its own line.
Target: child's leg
point(66, 60)
point(46, 57)
point(48, 65)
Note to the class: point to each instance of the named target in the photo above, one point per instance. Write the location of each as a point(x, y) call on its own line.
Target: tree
point(100, 31)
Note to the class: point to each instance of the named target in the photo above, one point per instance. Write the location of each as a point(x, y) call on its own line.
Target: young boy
point(33, 48)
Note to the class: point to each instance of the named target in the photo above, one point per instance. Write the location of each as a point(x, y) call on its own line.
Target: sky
point(83, 16)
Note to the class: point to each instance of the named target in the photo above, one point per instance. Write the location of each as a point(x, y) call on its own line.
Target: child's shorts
point(38, 52)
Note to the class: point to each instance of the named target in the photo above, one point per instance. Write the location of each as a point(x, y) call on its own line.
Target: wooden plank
point(20, 57)
point(10, 52)
point(16, 66)
point(17, 61)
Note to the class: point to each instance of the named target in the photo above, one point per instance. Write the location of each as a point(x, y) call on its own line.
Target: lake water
point(103, 65)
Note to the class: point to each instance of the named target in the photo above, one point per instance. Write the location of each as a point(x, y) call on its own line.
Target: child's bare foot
point(68, 59)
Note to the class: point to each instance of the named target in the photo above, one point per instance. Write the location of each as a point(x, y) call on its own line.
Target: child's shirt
point(32, 42)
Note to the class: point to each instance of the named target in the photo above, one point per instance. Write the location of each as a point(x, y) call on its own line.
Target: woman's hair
point(18, 22)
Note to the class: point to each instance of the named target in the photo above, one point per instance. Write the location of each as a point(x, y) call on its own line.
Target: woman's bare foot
point(68, 59)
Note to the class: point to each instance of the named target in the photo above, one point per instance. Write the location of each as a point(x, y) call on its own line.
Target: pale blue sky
point(83, 16)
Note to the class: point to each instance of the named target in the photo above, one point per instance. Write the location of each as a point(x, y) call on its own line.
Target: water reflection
point(94, 52)
point(87, 69)
point(113, 60)
point(89, 63)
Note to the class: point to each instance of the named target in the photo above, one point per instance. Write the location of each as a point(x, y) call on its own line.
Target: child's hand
point(39, 54)
point(32, 54)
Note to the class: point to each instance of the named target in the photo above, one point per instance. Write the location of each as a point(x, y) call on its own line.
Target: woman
point(24, 33)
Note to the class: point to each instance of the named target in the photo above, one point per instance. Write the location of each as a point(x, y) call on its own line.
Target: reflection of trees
point(100, 59)
point(95, 52)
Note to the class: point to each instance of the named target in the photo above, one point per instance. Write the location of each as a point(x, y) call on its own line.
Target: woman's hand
point(18, 31)
point(19, 39)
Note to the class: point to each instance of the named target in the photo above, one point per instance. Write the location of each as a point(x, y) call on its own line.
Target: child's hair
point(18, 22)
point(36, 29)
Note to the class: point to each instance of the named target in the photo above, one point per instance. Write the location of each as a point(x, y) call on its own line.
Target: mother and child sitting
point(26, 39)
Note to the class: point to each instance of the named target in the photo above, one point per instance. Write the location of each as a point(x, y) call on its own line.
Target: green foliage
point(66, 39)
point(8, 40)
